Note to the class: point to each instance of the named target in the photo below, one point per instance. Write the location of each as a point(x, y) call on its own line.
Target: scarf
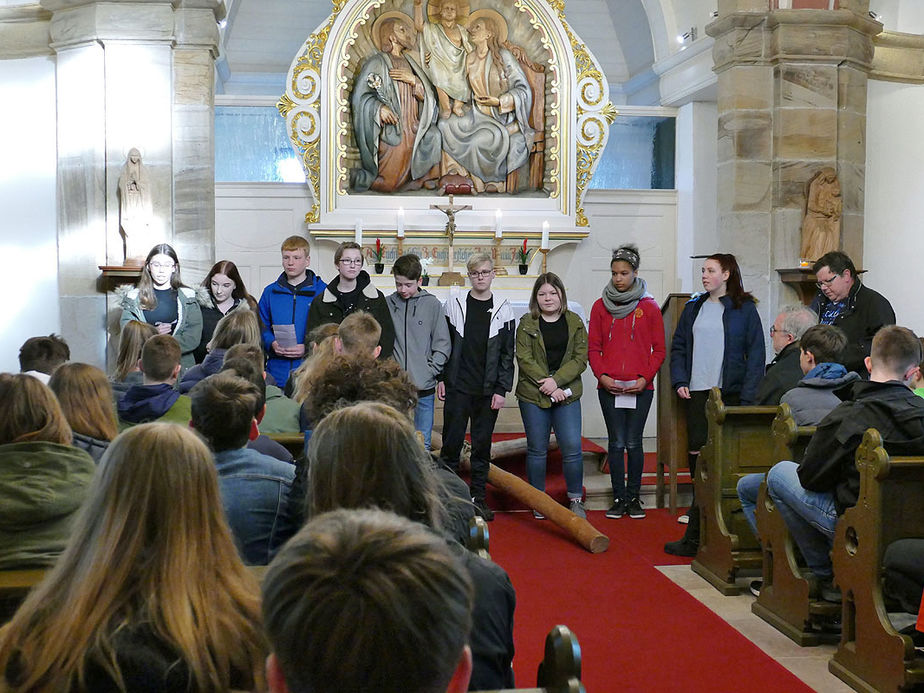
point(620, 303)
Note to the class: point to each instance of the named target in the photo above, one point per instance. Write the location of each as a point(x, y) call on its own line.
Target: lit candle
point(498, 225)
point(400, 222)
point(544, 245)
point(359, 232)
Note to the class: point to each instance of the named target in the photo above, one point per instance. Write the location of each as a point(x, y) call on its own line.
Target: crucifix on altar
point(451, 277)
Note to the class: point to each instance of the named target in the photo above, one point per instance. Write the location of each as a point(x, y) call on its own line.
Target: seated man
point(358, 335)
point(156, 399)
point(367, 601)
point(39, 356)
point(783, 372)
point(281, 412)
point(812, 495)
point(254, 487)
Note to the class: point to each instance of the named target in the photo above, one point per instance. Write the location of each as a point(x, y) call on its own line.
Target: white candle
point(400, 222)
point(359, 232)
point(544, 245)
point(498, 225)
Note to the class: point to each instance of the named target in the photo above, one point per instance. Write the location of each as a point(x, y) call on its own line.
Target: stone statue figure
point(135, 209)
point(394, 113)
point(821, 225)
point(444, 43)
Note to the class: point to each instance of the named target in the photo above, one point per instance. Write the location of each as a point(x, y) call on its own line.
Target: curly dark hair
point(346, 380)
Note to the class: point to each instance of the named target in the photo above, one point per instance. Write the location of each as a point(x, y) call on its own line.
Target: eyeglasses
point(774, 331)
point(826, 282)
point(162, 266)
point(481, 274)
point(357, 261)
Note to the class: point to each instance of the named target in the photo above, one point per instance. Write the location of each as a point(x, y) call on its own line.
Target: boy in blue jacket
point(286, 302)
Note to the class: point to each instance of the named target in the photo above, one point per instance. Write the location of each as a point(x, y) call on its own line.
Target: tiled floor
point(810, 664)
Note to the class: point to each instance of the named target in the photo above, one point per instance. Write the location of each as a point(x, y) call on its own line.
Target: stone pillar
point(129, 74)
point(791, 100)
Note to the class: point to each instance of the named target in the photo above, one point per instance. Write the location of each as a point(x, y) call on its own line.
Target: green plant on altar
point(522, 254)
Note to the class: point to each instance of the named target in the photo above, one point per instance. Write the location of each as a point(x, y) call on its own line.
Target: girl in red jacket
point(626, 349)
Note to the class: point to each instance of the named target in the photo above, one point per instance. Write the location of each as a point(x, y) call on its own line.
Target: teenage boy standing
point(422, 341)
point(479, 374)
point(286, 302)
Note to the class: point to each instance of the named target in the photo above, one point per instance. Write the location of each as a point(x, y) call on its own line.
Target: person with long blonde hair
point(85, 397)
point(43, 478)
point(127, 370)
point(239, 326)
point(149, 594)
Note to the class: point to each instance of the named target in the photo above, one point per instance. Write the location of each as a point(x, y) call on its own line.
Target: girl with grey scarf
point(626, 349)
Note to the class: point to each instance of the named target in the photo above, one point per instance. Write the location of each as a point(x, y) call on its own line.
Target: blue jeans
point(809, 515)
point(748, 488)
point(423, 417)
point(539, 422)
point(624, 428)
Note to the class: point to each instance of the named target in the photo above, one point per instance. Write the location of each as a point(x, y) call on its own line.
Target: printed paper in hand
point(285, 335)
point(623, 400)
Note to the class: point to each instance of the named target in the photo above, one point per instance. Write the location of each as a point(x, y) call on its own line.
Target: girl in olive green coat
point(552, 353)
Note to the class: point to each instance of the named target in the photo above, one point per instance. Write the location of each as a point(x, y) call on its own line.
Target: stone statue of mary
point(135, 209)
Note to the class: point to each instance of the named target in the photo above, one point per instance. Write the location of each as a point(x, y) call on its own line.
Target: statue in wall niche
point(135, 209)
point(821, 225)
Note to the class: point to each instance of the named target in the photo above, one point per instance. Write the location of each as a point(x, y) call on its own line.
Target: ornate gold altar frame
point(316, 107)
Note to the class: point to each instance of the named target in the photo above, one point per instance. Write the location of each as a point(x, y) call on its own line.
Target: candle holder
point(545, 255)
point(400, 245)
point(499, 269)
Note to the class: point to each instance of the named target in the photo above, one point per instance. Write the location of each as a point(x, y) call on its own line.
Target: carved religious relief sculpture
point(821, 225)
point(135, 208)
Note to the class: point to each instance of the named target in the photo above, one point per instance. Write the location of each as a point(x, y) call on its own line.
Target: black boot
point(689, 544)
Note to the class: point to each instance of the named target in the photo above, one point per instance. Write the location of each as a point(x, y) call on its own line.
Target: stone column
point(791, 100)
point(129, 74)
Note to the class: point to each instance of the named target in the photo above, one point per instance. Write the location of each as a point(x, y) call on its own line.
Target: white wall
point(893, 243)
point(28, 221)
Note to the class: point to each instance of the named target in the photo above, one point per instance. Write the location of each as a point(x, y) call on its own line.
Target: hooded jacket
point(188, 330)
point(92, 446)
point(891, 408)
point(329, 309)
point(144, 403)
point(213, 362)
point(42, 486)
point(422, 343)
point(498, 368)
point(284, 304)
point(814, 398)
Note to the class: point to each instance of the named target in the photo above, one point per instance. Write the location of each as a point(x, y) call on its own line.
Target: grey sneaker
point(634, 508)
point(577, 507)
point(538, 515)
point(617, 510)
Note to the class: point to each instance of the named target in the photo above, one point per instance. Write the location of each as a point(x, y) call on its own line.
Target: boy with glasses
point(478, 375)
point(352, 290)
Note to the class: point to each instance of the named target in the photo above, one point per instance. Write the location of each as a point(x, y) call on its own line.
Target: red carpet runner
point(638, 631)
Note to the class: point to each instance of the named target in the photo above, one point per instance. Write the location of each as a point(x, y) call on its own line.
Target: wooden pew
point(872, 656)
point(738, 444)
point(789, 599)
point(560, 668)
point(14, 587)
point(293, 442)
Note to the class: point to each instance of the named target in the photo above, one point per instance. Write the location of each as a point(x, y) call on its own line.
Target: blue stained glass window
point(639, 155)
point(252, 146)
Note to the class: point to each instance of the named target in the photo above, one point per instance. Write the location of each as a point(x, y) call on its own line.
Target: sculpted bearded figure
point(394, 112)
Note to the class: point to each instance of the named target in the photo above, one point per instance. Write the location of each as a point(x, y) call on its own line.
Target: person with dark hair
point(226, 292)
point(626, 349)
point(85, 396)
point(367, 601)
point(551, 350)
point(39, 356)
point(422, 342)
point(812, 495)
point(157, 398)
point(352, 290)
point(719, 342)
point(842, 300)
point(368, 456)
point(281, 415)
point(162, 300)
point(254, 487)
point(784, 371)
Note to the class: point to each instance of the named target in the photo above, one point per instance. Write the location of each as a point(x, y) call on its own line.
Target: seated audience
point(842, 300)
point(322, 335)
point(149, 595)
point(358, 335)
point(37, 507)
point(237, 327)
point(917, 380)
point(225, 292)
point(39, 356)
point(783, 372)
point(903, 573)
point(369, 456)
point(812, 495)
point(243, 368)
point(156, 399)
point(281, 414)
point(367, 601)
point(128, 363)
point(254, 487)
point(85, 397)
